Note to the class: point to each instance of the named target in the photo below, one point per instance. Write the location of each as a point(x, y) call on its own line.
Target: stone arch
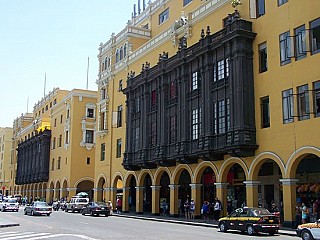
point(115, 178)
point(130, 183)
point(201, 167)
point(158, 175)
point(128, 177)
point(178, 170)
point(100, 177)
point(83, 179)
point(100, 186)
point(142, 176)
point(227, 164)
point(260, 160)
point(296, 158)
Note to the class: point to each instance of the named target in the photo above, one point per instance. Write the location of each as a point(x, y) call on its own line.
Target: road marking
point(37, 236)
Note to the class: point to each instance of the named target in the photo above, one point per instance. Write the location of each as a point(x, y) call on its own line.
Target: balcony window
point(153, 134)
point(265, 112)
point(316, 87)
point(300, 42)
point(164, 16)
point(263, 57)
point(285, 48)
point(89, 136)
point(303, 103)
point(119, 144)
point(315, 36)
point(90, 112)
point(173, 129)
point(196, 123)
point(287, 106)
point(119, 116)
point(194, 84)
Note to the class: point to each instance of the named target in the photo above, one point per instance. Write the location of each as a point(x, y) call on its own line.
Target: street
point(72, 226)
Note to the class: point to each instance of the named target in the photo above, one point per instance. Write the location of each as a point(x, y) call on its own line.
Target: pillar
point(289, 200)
point(155, 200)
point(174, 204)
point(196, 196)
point(222, 195)
point(71, 192)
point(113, 196)
point(125, 199)
point(139, 200)
point(49, 194)
point(252, 193)
point(96, 192)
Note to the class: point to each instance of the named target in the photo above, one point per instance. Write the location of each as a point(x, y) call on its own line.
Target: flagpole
point(45, 82)
point(87, 73)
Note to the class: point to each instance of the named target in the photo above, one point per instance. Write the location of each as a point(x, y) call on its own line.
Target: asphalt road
point(73, 226)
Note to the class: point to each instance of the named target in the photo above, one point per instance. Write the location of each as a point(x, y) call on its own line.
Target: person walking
point(110, 207)
point(187, 209)
point(205, 211)
point(217, 209)
point(304, 213)
point(192, 209)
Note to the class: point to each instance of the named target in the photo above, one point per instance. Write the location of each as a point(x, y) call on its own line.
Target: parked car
point(76, 204)
point(9, 204)
point(38, 208)
point(96, 208)
point(309, 231)
point(250, 220)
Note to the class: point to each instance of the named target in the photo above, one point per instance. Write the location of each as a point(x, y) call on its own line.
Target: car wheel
point(250, 230)
point(272, 233)
point(223, 227)
point(82, 212)
point(48, 214)
point(91, 213)
point(306, 235)
point(25, 212)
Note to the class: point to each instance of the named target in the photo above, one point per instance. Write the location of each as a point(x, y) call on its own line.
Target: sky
point(52, 40)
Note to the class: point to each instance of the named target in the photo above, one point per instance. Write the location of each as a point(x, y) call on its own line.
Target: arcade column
point(155, 200)
point(252, 193)
point(196, 196)
point(289, 200)
point(139, 199)
point(174, 193)
point(222, 194)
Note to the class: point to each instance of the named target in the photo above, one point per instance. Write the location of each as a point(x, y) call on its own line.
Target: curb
point(281, 231)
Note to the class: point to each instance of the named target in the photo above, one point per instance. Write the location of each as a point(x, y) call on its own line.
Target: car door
point(316, 231)
point(233, 220)
point(242, 220)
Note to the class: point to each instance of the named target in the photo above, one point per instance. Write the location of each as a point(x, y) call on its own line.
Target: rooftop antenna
point(134, 10)
point(87, 73)
point(28, 104)
point(144, 5)
point(45, 82)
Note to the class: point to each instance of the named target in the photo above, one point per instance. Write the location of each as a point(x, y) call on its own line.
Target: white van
point(76, 204)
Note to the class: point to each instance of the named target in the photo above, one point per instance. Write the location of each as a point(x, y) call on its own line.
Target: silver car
point(38, 208)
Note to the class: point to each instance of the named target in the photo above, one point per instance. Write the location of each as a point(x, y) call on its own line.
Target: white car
point(9, 204)
point(309, 231)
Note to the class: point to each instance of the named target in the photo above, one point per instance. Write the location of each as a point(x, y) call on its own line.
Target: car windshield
point(41, 204)
point(100, 204)
point(260, 211)
point(13, 200)
point(82, 200)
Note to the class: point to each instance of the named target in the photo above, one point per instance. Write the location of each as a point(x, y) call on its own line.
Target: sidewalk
point(194, 222)
point(7, 223)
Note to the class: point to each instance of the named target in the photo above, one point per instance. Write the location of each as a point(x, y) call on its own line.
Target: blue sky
point(52, 37)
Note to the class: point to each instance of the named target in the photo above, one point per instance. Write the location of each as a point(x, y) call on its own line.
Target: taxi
point(250, 220)
point(309, 231)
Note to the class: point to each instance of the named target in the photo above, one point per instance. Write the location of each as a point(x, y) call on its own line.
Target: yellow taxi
point(250, 220)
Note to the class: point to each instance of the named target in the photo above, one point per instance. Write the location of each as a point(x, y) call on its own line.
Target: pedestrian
point(192, 209)
point(205, 211)
point(119, 205)
point(217, 209)
point(164, 207)
point(304, 213)
point(297, 210)
point(186, 209)
point(110, 207)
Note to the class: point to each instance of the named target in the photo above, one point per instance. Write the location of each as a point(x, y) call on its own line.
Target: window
point(260, 8)
point(103, 93)
point(153, 134)
point(303, 103)
point(265, 112)
point(55, 122)
point(54, 143)
point(315, 36)
point(280, 2)
point(153, 100)
point(90, 112)
point(185, 2)
point(194, 84)
point(285, 48)
point(119, 116)
point(68, 113)
point(263, 57)
point(59, 163)
point(61, 117)
point(103, 151)
point(120, 86)
point(300, 42)
point(221, 69)
point(136, 138)
point(67, 137)
point(119, 143)
point(60, 141)
point(137, 105)
point(172, 129)
point(173, 93)
point(196, 123)
point(102, 121)
point(89, 136)
point(52, 165)
point(88, 160)
point(164, 16)
point(222, 116)
point(287, 106)
point(316, 87)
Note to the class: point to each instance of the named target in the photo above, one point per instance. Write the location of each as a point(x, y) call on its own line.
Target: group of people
point(207, 209)
point(304, 212)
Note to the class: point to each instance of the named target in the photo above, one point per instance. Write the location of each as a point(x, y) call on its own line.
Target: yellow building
point(57, 142)
point(6, 166)
point(219, 102)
